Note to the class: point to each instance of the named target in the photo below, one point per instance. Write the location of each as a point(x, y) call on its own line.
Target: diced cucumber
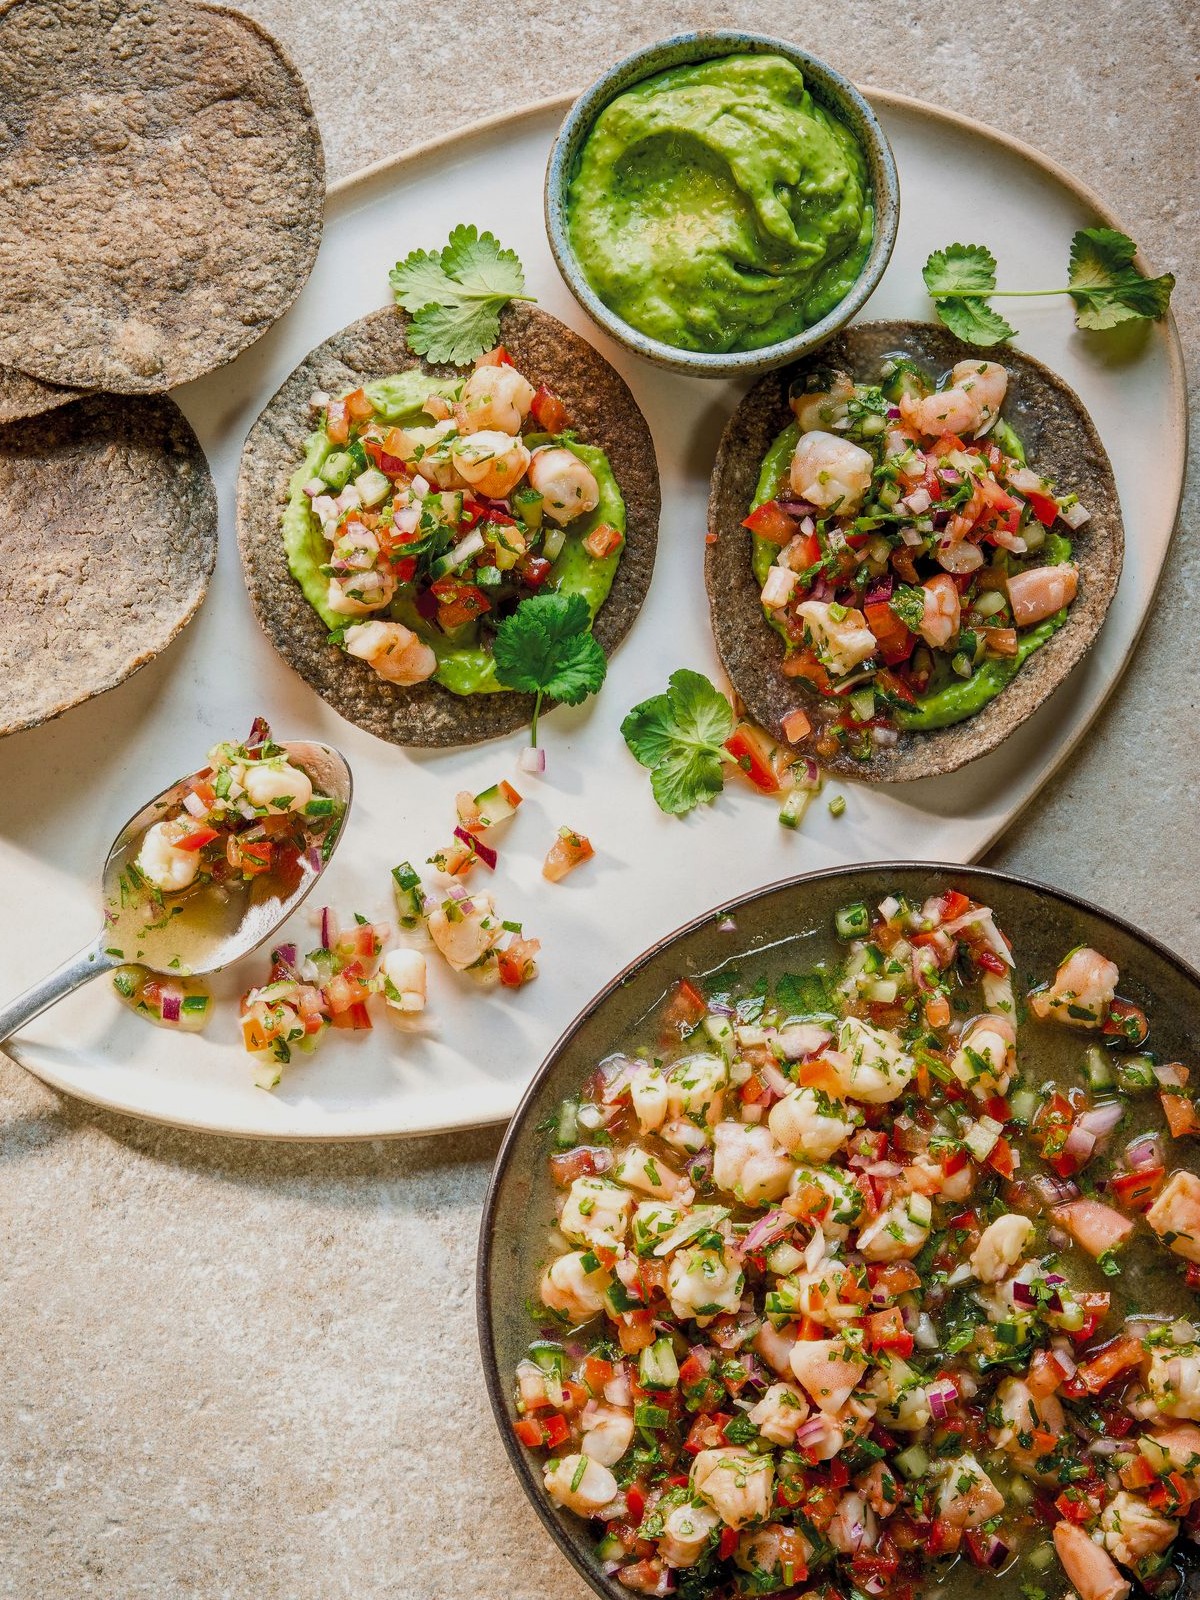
point(553, 542)
point(496, 804)
point(852, 921)
point(879, 991)
point(862, 704)
point(610, 1548)
point(658, 1368)
point(719, 1030)
point(913, 1462)
point(1098, 1069)
point(1020, 1491)
point(566, 1131)
point(791, 812)
point(1135, 1073)
point(1024, 1105)
point(488, 577)
point(195, 1004)
point(1042, 1556)
point(336, 469)
point(550, 1357)
point(982, 1136)
point(410, 897)
point(460, 555)
point(527, 504)
point(784, 1258)
point(373, 486)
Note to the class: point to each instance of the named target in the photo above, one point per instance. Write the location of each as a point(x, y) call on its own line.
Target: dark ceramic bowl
point(836, 93)
point(1043, 923)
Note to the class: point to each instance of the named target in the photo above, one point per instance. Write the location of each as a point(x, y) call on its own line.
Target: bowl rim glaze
point(829, 87)
point(573, 1543)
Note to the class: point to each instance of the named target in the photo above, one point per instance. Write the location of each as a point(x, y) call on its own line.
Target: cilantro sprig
point(546, 647)
point(455, 295)
point(1102, 281)
point(680, 736)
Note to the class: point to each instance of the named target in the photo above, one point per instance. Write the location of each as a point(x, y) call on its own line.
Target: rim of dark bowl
point(497, 1389)
point(830, 88)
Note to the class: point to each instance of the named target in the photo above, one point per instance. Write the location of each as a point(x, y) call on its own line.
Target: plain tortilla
point(1061, 442)
point(23, 396)
point(602, 410)
point(162, 189)
point(108, 534)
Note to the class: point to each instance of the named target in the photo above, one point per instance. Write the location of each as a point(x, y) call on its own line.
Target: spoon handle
point(78, 970)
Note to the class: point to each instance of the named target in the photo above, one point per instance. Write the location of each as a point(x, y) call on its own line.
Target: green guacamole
point(465, 664)
point(959, 699)
point(718, 207)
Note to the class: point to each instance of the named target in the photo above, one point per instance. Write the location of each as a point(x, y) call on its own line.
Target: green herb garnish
point(455, 295)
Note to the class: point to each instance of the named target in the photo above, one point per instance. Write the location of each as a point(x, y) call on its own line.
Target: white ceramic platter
point(67, 787)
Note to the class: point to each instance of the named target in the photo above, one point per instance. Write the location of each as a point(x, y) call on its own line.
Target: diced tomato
point(1075, 1507)
point(885, 1330)
point(1193, 1276)
point(1099, 1371)
point(937, 1015)
point(1137, 1189)
point(358, 407)
point(686, 1007)
point(1126, 1021)
point(250, 857)
point(533, 571)
point(635, 1504)
point(707, 1433)
point(1173, 1495)
point(603, 541)
point(548, 411)
point(568, 851)
point(752, 750)
point(888, 1279)
point(337, 422)
point(530, 1432)
point(894, 687)
point(728, 1544)
point(1137, 1473)
point(772, 523)
point(803, 663)
point(204, 792)
point(516, 963)
point(1043, 506)
point(796, 726)
point(895, 641)
point(819, 1074)
point(344, 991)
point(1180, 1113)
point(1002, 1158)
point(999, 641)
point(197, 839)
point(458, 602)
point(499, 357)
point(567, 1165)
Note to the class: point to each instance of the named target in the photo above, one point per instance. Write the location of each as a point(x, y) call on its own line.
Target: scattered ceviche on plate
point(840, 1295)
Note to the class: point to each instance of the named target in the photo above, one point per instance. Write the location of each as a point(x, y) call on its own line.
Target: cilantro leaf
point(908, 603)
point(1106, 286)
point(680, 736)
point(974, 321)
point(547, 647)
point(455, 295)
point(960, 269)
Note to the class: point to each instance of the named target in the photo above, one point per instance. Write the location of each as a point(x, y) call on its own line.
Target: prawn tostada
point(383, 549)
point(910, 547)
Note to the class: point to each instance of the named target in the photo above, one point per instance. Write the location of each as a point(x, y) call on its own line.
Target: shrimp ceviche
point(909, 555)
point(842, 1295)
point(441, 504)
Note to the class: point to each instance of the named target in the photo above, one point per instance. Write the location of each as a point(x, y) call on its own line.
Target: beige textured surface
point(233, 1371)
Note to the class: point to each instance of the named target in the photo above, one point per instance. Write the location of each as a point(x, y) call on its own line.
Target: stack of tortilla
point(162, 189)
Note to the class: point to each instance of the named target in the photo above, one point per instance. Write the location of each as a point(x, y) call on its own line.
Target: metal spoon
point(201, 931)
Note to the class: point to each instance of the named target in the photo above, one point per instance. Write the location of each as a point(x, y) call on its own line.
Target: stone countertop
point(238, 1370)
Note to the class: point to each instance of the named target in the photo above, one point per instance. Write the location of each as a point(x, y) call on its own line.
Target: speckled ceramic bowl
point(1044, 924)
point(837, 94)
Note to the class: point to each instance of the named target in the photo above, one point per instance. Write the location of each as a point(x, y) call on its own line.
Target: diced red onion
point(885, 1169)
point(171, 1002)
point(318, 400)
point(285, 955)
point(260, 734)
point(950, 476)
point(1079, 1144)
point(532, 759)
point(1075, 516)
point(1053, 1191)
point(767, 1230)
point(1144, 1151)
point(1101, 1121)
point(995, 1551)
point(1171, 1074)
point(775, 1080)
point(618, 1075)
point(484, 851)
point(820, 1436)
point(1023, 1295)
point(313, 856)
point(940, 519)
point(329, 928)
point(942, 1397)
point(193, 804)
point(726, 925)
point(880, 589)
point(795, 507)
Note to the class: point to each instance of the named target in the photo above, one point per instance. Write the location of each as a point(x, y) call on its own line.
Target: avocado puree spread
point(954, 701)
point(465, 665)
point(718, 207)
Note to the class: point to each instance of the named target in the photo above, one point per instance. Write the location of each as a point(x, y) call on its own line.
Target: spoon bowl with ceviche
point(849, 1244)
point(203, 874)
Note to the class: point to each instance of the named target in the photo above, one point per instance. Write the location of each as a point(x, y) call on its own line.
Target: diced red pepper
point(728, 1544)
point(635, 1504)
point(752, 751)
point(530, 1432)
point(603, 541)
point(1002, 1159)
point(458, 602)
point(1043, 506)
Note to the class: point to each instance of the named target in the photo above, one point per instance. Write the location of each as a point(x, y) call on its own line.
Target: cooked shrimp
point(686, 1533)
point(360, 593)
point(898, 1233)
point(1021, 1414)
point(1173, 1382)
point(496, 398)
point(648, 1092)
point(1082, 991)
point(567, 1287)
point(775, 1347)
point(405, 980)
point(958, 555)
point(1090, 1568)
point(429, 448)
point(702, 1283)
point(968, 1497)
point(943, 612)
point(828, 1370)
point(636, 1169)
point(596, 1213)
point(580, 1484)
point(607, 1433)
point(853, 1525)
point(395, 652)
point(695, 1088)
point(831, 472)
point(738, 1486)
point(779, 1413)
point(870, 1063)
point(161, 861)
point(809, 1126)
point(566, 484)
point(814, 411)
point(986, 1056)
point(845, 1197)
point(749, 1163)
point(1001, 1247)
point(1041, 591)
point(1176, 1212)
point(1095, 1227)
point(841, 638)
point(465, 937)
point(493, 463)
point(775, 1551)
point(819, 1294)
point(1132, 1530)
point(969, 404)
